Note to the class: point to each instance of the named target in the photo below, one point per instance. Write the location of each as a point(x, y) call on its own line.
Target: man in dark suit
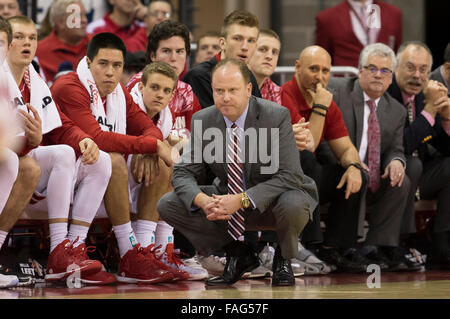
point(375, 125)
point(239, 34)
point(345, 29)
point(427, 143)
point(249, 191)
point(442, 72)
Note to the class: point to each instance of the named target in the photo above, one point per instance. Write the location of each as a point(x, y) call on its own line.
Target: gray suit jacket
point(208, 125)
point(348, 95)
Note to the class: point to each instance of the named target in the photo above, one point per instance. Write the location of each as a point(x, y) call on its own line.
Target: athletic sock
point(58, 233)
point(126, 239)
point(163, 235)
point(145, 232)
point(77, 231)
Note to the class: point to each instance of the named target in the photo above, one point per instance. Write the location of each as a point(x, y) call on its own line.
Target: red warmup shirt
point(73, 98)
point(291, 97)
point(68, 133)
point(51, 52)
point(271, 91)
point(183, 105)
point(133, 36)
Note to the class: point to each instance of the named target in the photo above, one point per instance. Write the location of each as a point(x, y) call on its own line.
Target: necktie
point(373, 148)
point(410, 109)
point(235, 182)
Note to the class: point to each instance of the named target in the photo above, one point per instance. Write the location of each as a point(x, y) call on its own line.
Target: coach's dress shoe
point(282, 270)
point(240, 259)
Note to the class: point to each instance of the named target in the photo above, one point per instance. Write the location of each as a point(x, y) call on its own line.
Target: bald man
point(339, 176)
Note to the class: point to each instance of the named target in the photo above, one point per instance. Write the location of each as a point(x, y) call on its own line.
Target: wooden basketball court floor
point(415, 285)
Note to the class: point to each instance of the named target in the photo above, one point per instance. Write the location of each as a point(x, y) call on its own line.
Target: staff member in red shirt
point(95, 100)
point(67, 42)
point(306, 97)
point(122, 22)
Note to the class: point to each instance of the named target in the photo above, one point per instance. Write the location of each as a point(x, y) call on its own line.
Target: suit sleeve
point(396, 150)
point(191, 168)
point(414, 135)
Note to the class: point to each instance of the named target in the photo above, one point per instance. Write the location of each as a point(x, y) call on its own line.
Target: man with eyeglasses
point(427, 143)
point(158, 11)
point(375, 124)
point(123, 21)
point(340, 179)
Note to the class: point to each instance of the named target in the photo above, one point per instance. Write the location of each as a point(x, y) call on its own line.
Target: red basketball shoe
point(136, 267)
point(65, 260)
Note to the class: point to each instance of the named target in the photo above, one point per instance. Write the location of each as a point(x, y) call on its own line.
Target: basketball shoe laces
point(79, 253)
point(172, 256)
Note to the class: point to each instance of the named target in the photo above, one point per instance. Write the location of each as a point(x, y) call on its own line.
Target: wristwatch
point(245, 201)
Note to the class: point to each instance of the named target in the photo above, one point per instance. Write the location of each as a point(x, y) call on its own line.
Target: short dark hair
point(212, 34)
point(105, 41)
point(447, 53)
point(270, 33)
point(6, 27)
point(161, 68)
point(246, 73)
point(240, 17)
point(165, 30)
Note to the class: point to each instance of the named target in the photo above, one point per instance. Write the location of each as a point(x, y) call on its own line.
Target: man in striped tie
point(248, 146)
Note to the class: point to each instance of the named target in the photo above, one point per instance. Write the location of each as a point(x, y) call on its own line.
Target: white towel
point(115, 118)
point(40, 97)
point(165, 116)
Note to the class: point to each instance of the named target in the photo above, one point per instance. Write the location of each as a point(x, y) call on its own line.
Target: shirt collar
point(407, 98)
point(368, 98)
point(240, 122)
point(358, 5)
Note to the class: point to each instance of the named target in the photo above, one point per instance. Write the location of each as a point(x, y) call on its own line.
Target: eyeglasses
point(374, 70)
point(157, 13)
point(412, 69)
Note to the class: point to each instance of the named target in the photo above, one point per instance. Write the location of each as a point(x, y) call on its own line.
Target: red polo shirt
point(133, 36)
point(51, 52)
point(293, 99)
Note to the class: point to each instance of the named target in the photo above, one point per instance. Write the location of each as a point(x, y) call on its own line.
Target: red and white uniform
point(270, 91)
point(64, 179)
point(183, 105)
